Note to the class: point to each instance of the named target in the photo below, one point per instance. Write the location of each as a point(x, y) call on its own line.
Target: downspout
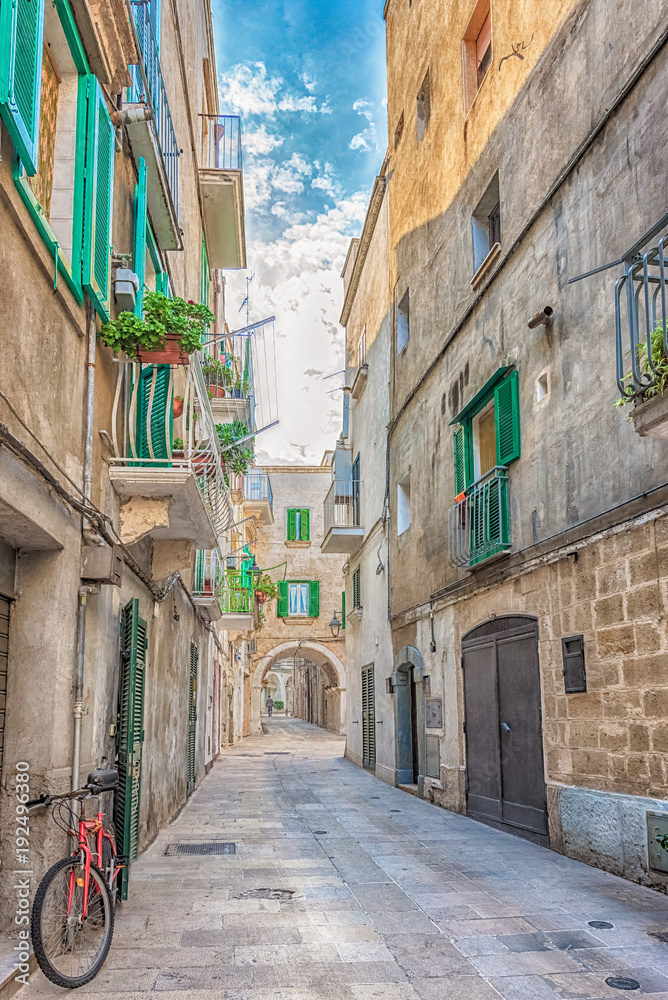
point(89, 534)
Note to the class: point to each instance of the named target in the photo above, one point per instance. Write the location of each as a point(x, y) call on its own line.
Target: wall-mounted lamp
point(335, 625)
point(542, 318)
point(255, 571)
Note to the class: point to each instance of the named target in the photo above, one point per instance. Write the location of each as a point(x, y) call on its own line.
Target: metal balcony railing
point(479, 526)
point(224, 142)
point(258, 487)
point(148, 432)
point(641, 322)
point(343, 505)
point(236, 597)
point(151, 79)
point(208, 574)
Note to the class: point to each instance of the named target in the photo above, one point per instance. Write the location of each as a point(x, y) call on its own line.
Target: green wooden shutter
point(314, 598)
point(130, 735)
point(368, 718)
point(139, 249)
point(460, 461)
point(205, 276)
point(192, 719)
point(305, 526)
point(162, 283)
point(343, 609)
point(507, 417)
point(98, 199)
point(155, 417)
point(21, 43)
point(292, 525)
point(282, 605)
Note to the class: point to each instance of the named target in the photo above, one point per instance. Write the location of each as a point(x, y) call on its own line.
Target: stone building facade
point(526, 571)
point(84, 539)
point(310, 585)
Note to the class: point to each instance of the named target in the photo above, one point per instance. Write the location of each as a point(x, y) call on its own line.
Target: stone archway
point(319, 654)
point(409, 719)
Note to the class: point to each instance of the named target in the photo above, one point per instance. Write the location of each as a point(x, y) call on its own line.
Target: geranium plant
point(267, 586)
point(161, 316)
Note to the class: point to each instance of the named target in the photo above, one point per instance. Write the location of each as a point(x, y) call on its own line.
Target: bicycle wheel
point(106, 862)
point(70, 950)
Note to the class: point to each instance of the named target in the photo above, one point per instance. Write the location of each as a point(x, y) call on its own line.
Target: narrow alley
point(344, 888)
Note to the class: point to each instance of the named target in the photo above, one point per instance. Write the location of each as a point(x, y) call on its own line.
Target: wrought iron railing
point(224, 142)
point(151, 79)
point(258, 487)
point(208, 574)
point(479, 525)
point(343, 505)
point(236, 596)
point(641, 321)
point(151, 438)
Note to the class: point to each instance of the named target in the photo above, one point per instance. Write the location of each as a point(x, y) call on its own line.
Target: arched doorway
point(327, 693)
point(504, 742)
point(409, 719)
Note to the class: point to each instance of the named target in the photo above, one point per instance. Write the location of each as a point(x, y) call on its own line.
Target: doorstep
point(411, 789)
point(8, 984)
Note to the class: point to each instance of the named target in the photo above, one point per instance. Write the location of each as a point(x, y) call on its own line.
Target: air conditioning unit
point(231, 562)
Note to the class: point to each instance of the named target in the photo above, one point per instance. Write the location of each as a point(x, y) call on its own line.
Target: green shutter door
point(460, 462)
point(192, 718)
point(155, 412)
point(139, 248)
point(292, 525)
point(314, 598)
point(343, 609)
point(282, 607)
point(130, 735)
point(21, 43)
point(368, 719)
point(305, 526)
point(98, 199)
point(507, 416)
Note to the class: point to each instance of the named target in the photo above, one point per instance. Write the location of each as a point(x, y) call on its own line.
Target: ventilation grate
point(214, 847)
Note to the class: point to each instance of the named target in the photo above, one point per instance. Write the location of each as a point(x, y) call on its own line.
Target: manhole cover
point(283, 894)
point(319, 833)
point(618, 983)
point(216, 847)
point(601, 925)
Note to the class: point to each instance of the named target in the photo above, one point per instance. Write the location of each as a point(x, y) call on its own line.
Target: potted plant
point(177, 407)
point(650, 405)
point(166, 334)
point(218, 377)
point(266, 589)
point(236, 457)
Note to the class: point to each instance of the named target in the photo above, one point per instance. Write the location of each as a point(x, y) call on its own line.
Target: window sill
point(297, 545)
point(298, 618)
point(359, 383)
point(484, 267)
point(354, 616)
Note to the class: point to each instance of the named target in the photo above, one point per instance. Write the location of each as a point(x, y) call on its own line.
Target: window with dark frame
point(486, 224)
point(423, 107)
point(476, 51)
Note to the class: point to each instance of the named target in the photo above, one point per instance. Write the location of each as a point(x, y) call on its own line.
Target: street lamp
point(255, 572)
point(335, 625)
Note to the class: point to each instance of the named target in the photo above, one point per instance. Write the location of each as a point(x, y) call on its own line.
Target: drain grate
point(283, 894)
point(619, 983)
point(214, 847)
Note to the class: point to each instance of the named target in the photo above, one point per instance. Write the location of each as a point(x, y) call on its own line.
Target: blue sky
point(308, 79)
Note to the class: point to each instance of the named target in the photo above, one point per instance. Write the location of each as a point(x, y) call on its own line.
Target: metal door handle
point(506, 726)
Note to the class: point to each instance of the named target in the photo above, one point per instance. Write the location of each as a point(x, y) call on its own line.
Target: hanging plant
point(660, 375)
point(237, 456)
point(166, 323)
point(266, 589)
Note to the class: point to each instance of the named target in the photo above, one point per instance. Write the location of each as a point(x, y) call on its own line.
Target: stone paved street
point(393, 898)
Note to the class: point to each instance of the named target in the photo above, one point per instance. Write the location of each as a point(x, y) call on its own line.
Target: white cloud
point(258, 140)
point(308, 81)
point(325, 181)
point(359, 141)
point(366, 140)
point(247, 89)
point(297, 279)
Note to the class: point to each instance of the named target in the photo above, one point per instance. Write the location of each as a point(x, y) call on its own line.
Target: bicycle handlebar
point(47, 799)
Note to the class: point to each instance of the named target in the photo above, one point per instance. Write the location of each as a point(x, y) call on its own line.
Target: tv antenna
point(246, 301)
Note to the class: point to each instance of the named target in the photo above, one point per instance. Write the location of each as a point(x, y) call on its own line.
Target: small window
point(423, 107)
point(361, 349)
point(299, 524)
point(476, 51)
point(486, 224)
point(399, 131)
point(357, 596)
point(575, 678)
point(484, 441)
point(404, 505)
point(403, 322)
point(542, 387)
point(298, 599)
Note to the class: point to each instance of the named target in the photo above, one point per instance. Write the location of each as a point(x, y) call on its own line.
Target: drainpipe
point(84, 592)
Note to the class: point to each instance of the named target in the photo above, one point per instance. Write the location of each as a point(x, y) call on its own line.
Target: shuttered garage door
point(4, 639)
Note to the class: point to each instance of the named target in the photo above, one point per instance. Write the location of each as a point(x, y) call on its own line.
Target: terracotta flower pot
point(216, 391)
point(202, 463)
point(260, 596)
point(177, 408)
point(171, 353)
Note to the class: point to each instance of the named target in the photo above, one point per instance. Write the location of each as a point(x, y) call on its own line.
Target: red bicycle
point(72, 920)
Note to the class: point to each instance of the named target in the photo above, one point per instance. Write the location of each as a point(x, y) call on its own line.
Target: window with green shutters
point(298, 598)
point(130, 735)
point(357, 590)
point(486, 441)
point(299, 524)
point(64, 141)
point(343, 609)
point(140, 224)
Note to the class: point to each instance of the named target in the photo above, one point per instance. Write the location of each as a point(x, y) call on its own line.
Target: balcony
point(479, 525)
point(259, 497)
point(169, 467)
point(229, 377)
point(237, 603)
point(208, 584)
point(222, 187)
point(150, 129)
point(344, 531)
point(237, 487)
